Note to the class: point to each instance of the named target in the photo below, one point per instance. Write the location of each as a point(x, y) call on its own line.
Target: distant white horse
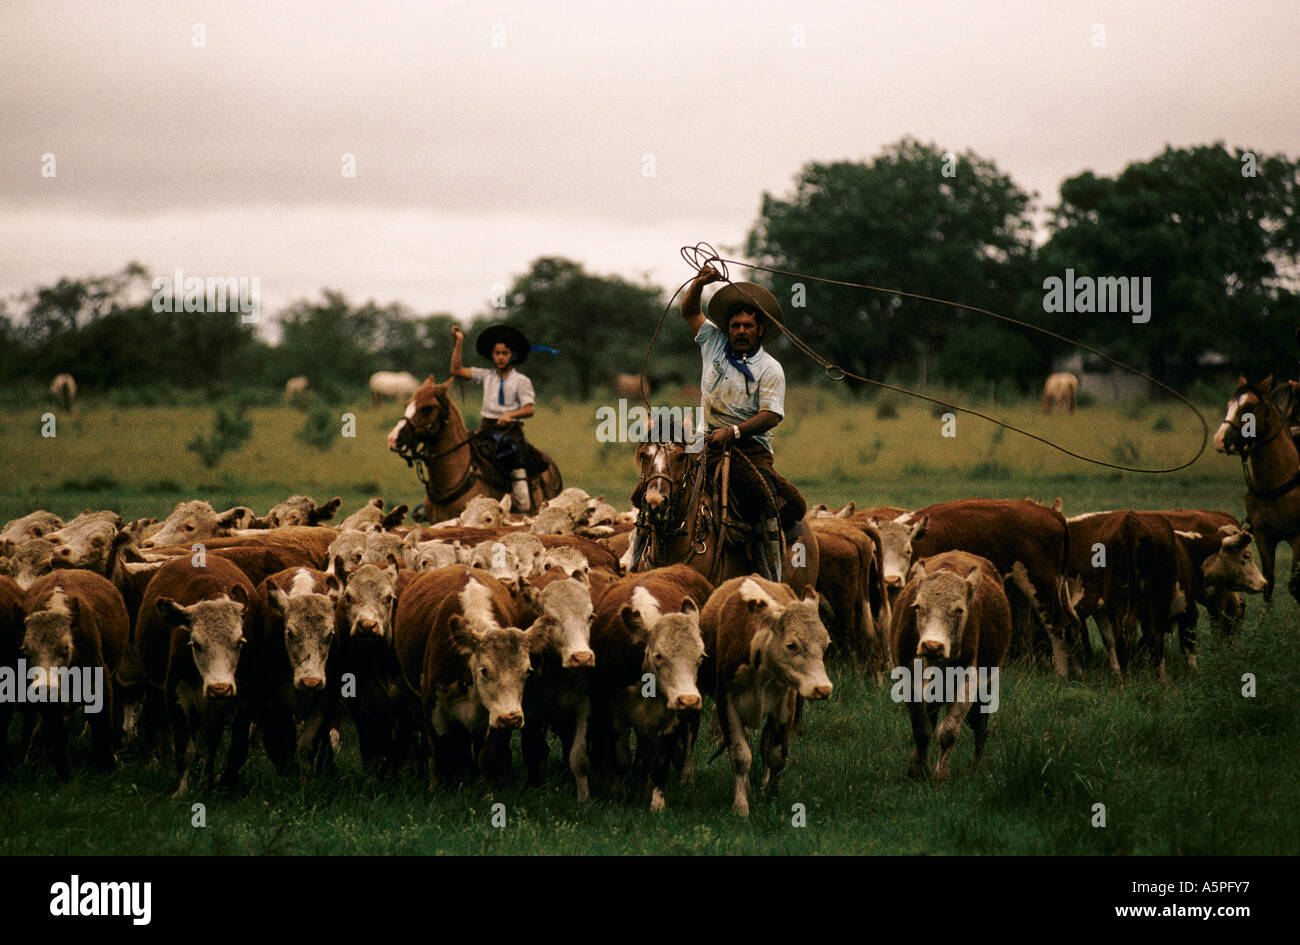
point(295, 386)
point(389, 384)
point(64, 387)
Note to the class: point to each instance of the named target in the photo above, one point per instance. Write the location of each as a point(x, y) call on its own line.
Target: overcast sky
point(488, 134)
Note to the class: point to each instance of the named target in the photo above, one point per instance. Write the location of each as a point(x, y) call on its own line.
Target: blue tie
point(501, 393)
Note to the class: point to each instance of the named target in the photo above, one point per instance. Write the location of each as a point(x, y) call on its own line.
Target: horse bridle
point(415, 456)
point(1246, 449)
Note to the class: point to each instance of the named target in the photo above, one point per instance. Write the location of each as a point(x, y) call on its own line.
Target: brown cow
point(1128, 569)
point(1029, 545)
point(75, 632)
point(459, 649)
point(766, 651)
point(953, 617)
point(383, 708)
point(297, 691)
point(646, 637)
point(849, 578)
point(557, 696)
point(193, 625)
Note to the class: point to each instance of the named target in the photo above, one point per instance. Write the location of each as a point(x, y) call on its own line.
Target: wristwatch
point(735, 431)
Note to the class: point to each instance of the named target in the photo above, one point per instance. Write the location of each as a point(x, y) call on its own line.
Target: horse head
point(663, 473)
point(424, 418)
point(1250, 418)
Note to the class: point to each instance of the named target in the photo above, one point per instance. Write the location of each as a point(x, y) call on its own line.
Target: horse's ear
point(1266, 384)
point(1241, 380)
point(444, 386)
point(430, 380)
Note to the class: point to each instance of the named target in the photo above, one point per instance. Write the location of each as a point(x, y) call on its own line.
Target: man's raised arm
point(457, 368)
point(691, 301)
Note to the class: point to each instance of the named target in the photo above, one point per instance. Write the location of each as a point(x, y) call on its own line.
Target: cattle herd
point(215, 628)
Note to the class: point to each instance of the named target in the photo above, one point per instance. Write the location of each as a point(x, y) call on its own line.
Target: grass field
point(1190, 768)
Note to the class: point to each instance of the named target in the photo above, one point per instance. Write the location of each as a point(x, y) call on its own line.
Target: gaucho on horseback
point(508, 398)
point(743, 398)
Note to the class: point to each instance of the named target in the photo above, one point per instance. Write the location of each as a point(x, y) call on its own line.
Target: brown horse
point(431, 436)
point(1255, 428)
point(680, 517)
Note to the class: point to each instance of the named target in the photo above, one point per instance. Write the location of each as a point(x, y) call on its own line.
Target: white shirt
point(516, 388)
point(727, 396)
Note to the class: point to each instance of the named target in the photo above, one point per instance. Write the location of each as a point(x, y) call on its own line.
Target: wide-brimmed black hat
point(736, 295)
point(507, 335)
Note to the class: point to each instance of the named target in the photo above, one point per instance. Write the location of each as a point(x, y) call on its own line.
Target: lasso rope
point(702, 254)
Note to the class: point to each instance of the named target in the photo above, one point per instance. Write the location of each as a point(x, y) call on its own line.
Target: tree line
point(1215, 231)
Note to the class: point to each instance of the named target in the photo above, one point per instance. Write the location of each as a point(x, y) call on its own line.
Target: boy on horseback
point(507, 395)
point(743, 398)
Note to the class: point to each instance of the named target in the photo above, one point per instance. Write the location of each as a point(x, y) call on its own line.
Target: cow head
point(365, 608)
point(424, 418)
point(48, 641)
point(28, 561)
point(896, 539)
point(197, 520)
point(566, 616)
point(1233, 567)
point(34, 525)
point(674, 650)
point(791, 638)
point(499, 660)
point(308, 620)
point(485, 512)
point(90, 541)
point(299, 510)
point(215, 632)
point(942, 606)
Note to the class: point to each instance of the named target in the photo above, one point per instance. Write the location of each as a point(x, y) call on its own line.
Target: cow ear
point(755, 604)
point(579, 575)
point(336, 567)
point(333, 586)
point(239, 595)
point(276, 599)
point(973, 582)
point(810, 593)
point(172, 613)
point(538, 636)
point(917, 573)
point(395, 517)
point(918, 530)
point(239, 517)
point(323, 513)
point(690, 608)
point(377, 503)
point(635, 625)
point(505, 504)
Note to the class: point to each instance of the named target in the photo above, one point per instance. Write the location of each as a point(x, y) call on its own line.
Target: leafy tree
point(1220, 247)
point(947, 226)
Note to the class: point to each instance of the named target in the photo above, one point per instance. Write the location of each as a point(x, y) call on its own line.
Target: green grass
point(1189, 768)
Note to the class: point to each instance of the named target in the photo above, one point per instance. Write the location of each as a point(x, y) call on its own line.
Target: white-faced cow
point(646, 638)
point(767, 649)
point(953, 622)
point(75, 633)
point(458, 648)
point(192, 628)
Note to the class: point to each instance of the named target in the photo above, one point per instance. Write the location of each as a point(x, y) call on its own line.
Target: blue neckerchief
point(741, 361)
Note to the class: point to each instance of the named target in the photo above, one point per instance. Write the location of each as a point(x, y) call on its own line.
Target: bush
point(231, 429)
point(319, 429)
point(887, 408)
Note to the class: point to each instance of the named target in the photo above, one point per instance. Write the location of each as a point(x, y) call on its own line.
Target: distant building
point(1104, 382)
